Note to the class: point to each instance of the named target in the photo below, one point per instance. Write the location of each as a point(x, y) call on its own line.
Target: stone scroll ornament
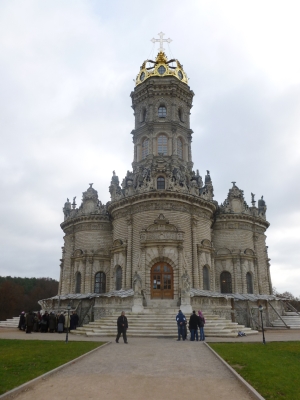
point(137, 284)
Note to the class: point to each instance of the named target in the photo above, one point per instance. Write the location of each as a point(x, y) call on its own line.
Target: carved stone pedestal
point(185, 305)
point(137, 304)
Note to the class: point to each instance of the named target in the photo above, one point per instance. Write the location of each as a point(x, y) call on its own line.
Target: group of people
point(195, 322)
point(48, 322)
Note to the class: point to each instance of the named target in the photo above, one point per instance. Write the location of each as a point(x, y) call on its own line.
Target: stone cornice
point(84, 218)
point(241, 217)
point(160, 196)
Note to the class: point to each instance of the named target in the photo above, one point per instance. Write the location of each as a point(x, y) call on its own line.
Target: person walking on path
point(201, 325)
point(193, 326)
point(181, 321)
point(122, 324)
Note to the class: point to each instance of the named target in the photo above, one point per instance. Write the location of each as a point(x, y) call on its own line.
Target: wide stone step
point(162, 325)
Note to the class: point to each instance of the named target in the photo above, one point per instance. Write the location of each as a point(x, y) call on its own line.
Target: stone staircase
point(159, 324)
point(292, 319)
point(10, 323)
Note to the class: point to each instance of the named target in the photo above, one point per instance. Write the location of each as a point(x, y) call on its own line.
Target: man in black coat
point(193, 326)
point(122, 324)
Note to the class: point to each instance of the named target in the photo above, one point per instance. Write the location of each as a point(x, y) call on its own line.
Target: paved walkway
point(142, 370)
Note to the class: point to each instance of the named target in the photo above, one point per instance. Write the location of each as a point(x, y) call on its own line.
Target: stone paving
point(142, 370)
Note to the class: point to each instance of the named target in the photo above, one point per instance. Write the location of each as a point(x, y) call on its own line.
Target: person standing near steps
point(181, 321)
point(201, 325)
point(122, 324)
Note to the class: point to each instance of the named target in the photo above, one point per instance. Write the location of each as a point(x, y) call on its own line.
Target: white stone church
point(163, 240)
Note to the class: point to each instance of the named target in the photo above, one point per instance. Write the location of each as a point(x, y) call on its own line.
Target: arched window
point(162, 145)
point(118, 278)
point(249, 283)
point(162, 112)
point(179, 148)
point(206, 280)
point(180, 115)
point(145, 148)
point(100, 282)
point(226, 286)
point(161, 182)
point(143, 115)
point(78, 283)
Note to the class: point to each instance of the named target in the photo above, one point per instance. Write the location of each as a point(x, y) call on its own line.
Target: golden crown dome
point(161, 67)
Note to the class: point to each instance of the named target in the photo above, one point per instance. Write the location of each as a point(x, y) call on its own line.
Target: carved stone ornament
point(162, 231)
point(137, 284)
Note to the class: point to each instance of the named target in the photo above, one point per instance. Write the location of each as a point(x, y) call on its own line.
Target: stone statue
point(185, 284)
point(67, 209)
point(137, 284)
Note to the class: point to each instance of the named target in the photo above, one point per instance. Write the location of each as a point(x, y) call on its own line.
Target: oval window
point(142, 76)
point(180, 75)
point(161, 70)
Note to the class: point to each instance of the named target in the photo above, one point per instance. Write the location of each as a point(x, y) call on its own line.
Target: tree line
point(22, 294)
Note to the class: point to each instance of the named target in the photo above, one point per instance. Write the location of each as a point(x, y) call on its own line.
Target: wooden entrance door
point(162, 281)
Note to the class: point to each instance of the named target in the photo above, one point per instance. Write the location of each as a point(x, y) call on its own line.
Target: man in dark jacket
point(181, 322)
point(29, 322)
point(122, 324)
point(193, 326)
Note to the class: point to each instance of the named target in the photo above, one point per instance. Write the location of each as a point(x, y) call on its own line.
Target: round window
point(180, 76)
point(142, 76)
point(161, 70)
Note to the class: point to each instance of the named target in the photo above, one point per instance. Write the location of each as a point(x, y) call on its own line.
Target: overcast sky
point(66, 73)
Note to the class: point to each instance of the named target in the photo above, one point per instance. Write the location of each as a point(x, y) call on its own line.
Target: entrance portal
point(162, 281)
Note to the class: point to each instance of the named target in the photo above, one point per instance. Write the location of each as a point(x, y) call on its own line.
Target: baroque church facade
point(163, 236)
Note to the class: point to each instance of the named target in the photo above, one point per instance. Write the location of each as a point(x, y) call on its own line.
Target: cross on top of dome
point(161, 41)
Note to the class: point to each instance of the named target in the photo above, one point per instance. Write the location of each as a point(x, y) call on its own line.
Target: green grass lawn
point(23, 360)
point(272, 369)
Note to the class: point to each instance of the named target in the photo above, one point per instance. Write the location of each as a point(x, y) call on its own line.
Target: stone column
point(213, 273)
point(91, 262)
point(83, 276)
point(170, 146)
point(138, 152)
point(256, 283)
point(195, 275)
point(173, 111)
point(135, 153)
point(235, 285)
point(180, 269)
point(112, 273)
point(71, 280)
point(269, 276)
point(242, 275)
point(150, 112)
point(129, 253)
point(189, 137)
point(61, 275)
point(200, 269)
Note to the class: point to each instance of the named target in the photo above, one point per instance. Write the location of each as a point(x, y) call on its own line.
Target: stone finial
point(74, 203)
point(253, 199)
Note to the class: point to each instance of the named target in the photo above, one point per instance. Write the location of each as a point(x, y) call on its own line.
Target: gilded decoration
point(161, 67)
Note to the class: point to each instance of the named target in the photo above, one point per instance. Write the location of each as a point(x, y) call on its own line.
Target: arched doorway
point(162, 286)
point(226, 286)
